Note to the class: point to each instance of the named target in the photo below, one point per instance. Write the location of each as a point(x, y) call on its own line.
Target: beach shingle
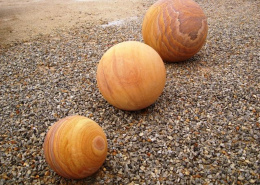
point(203, 129)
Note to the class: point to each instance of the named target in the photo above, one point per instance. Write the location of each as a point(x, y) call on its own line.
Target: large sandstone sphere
point(176, 29)
point(131, 75)
point(75, 147)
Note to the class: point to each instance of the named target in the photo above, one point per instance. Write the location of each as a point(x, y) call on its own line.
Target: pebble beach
point(203, 129)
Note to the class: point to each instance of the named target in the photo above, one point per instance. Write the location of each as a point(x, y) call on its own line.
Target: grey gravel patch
point(204, 128)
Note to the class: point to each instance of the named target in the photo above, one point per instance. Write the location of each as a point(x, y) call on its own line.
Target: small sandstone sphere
point(131, 75)
point(176, 29)
point(75, 147)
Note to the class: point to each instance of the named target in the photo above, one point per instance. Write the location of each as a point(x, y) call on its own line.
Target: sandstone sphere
point(176, 29)
point(131, 75)
point(75, 147)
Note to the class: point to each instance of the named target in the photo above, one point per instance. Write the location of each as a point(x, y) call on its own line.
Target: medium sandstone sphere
point(176, 29)
point(131, 75)
point(75, 147)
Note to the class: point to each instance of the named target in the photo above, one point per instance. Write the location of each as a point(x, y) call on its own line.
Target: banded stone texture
point(75, 147)
point(176, 29)
point(131, 75)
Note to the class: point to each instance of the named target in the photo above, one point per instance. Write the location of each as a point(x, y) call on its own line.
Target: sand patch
point(25, 19)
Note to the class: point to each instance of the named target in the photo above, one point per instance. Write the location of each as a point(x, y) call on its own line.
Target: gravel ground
point(204, 128)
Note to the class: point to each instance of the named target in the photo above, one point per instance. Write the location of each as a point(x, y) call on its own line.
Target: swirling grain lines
point(175, 29)
point(126, 80)
point(69, 147)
